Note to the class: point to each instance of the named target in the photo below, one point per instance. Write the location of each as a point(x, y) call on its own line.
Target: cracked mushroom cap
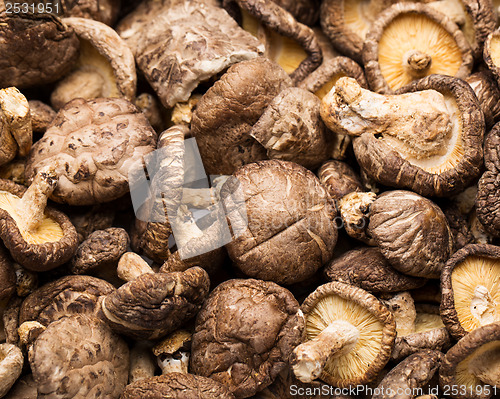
point(289, 232)
point(178, 45)
point(92, 144)
point(470, 295)
point(245, 333)
point(79, 357)
point(473, 364)
point(67, 295)
point(409, 41)
point(226, 113)
point(339, 179)
point(38, 237)
point(104, 11)
point(7, 275)
point(155, 304)
point(105, 67)
point(349, 336)
point(389, 139)
point(177, 386)
point(412, 373)
point(368, 269)
point(35, 49)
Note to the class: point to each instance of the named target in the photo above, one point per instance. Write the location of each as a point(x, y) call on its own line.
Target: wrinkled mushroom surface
point(339, 179)
point(104, 11)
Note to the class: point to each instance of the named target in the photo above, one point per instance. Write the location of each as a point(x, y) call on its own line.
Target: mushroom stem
point(486, 366)
point(417, 63)
point(141, 363)
point(482, 306)
point(130, 266)
point(309, 358)
point(32, 205)
point(176, 363)
point(16, 112)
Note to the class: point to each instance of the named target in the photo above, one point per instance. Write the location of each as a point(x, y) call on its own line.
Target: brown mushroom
point(389, 140)
point(461, 232)
point(88, 220)
point(91, 146)
point(339, 179)
point(492, 53)
point(288, 232)
point(354, 210)
point(7, 275)
point(142, 365)
point(488, 93)
point(42, 116)
point(77, 357)
point(131, 266)
point(14, 171)
point(305, 11)
point(25, 388)
point(350, 335)
point(409, 41)
point(104, 11)
point(11, 365)
point(173, 352)
point(244, 335)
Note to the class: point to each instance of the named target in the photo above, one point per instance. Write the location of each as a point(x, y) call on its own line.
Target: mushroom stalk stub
point(417, 63)
point(309, 359)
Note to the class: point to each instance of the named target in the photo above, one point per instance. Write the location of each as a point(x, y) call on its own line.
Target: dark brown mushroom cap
point(102, 248)
point(438, 64)
point(483, 22)
point(177, 386)
point(92, 144)
point(104, 11)
point(409, 375)
point(79, 357)
point(289, 232)
point(291, 129)
point(339, 179)
point(37, 257)
point(488, 93)
point(460, 230)
point(388, 167)
point(304, 11)
point(491, 53)
point(179, 44)
point(211, 262)
point(486, 274)
point(154, 305)
point(48, 50)
point(42, 116)
point(226, 113)
point(488, 195)
point(67, 295)
point(368, 269)
point(411, 232)
point(245, 333)
point(7, 275)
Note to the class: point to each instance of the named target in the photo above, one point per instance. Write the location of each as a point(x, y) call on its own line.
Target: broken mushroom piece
point(339, 179)
point(470, 296)
point(355, 209)
point(79, 357)
point(130, 266)
point(38, 237)
point(105, 67)
point(173, 352)
point(11, 365)
point(350, 335)
point(409, 41)
point(472, 364)
point(244, 335)
point(427, 139)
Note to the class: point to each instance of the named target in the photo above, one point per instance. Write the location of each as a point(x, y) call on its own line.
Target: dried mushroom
point(38, 237)
point(79, 357)
point(488, 93)
point(177, 45)
point(25, 388)
point(101, 10)
point(470, 296)
point(226, 113)
point(492, 53)
point(91, 145)
point(289, 232)
point(428, 139)
point(7, 276)
point(11, 365)
point(47, 52)
point(142, 365)
point(173, 352)
point(42, 116)
point(354, 211)
point(410, 41)
point(350, 335)
point(339, 179)
point(244, 335)
point(177, 386)
point(462, 234)
point(105, 67)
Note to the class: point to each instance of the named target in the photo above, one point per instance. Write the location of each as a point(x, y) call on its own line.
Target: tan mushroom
point(11, 365)
point(173, 352)
point(142, 364)
point(339, 179)
point(42, 116)
point(105, 11)
point(131, 266)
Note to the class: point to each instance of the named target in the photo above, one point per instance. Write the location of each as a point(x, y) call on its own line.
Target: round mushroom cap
point(245, 333)
point(105, 11)
point(155, 304)
point(226, 113)
point(48, 51)
point(177, 386)
point(65, 296)
point(7, 275)
point(11, 365)
point(289, 232)
point(79, 357)
point(470, 295)
point(339, 179)
point(92, 144)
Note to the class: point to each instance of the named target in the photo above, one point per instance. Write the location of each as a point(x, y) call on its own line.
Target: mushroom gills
point(359, 15)
point(481, 367)
point(427, 322)
point(495, 50)
point(455, 10)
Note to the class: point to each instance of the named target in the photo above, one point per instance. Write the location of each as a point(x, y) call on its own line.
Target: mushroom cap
point(469, 289)
point(105, 11)
point(487, 92)
point(435, 176)
point(64, 296)
point(42, 116)
point(492, 53)
point(92, 144)
point(368, 269)
point(411, 232)
point(48, 51)
point(11, 365)
point(7, 275)
point(377, 331)
point(412, 373)
point(177, 386)
point(399, 42)
point(179, 44)
point(289, 232)
point(245, 333)
point(154, 305)
point(226, 113)
point(339, 179)
point(54, 242)
point(174, 342)
point(460, 230)
point(79, 357)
